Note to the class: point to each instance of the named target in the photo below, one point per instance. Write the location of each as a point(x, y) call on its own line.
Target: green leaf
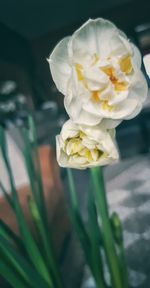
point(37, 205)
point(7, 197)
point(20, 265)
point(7, 232)
point(34, 144)
point(27, 153)
point(32, 249)
point(31, 159)
point(29, 243)
point(10, 276)
point(45, 244)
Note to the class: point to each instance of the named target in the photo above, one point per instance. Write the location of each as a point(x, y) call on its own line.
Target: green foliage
point(24, 261)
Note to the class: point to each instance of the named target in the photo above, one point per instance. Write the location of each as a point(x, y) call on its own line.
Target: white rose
point(82, 146)
point(98, 71)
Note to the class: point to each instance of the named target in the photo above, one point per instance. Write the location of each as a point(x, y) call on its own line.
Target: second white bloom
point(82, 147)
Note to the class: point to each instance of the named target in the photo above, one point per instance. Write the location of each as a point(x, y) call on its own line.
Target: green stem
point(89, 242)
point(108, 240)
point(124, 265)
point(94, 235)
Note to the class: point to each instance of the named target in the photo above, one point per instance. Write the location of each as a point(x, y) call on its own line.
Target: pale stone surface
point(17, 164)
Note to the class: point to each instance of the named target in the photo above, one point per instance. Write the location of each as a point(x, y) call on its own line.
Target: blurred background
point(29, 30)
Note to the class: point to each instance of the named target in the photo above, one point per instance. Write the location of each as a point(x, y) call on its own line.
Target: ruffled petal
point(120, 111)
point(138, 88)
point(110, 123)
point(118, 98)
point(78, 115)
point(100, 37)
point(59, 65)
point(136, 111)
point(136, 59)
point(70, 129)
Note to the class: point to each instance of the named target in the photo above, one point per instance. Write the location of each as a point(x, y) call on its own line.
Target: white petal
point(119, 97)
point(124, 109)
point(98, 36)
point(135, 112)
point(96, 133)
point(119, 45)
point(121, 111)
point(136, 59)
point(62, 157)
point(89, 143)
point(138, 88)
point(78, 114)
point(146, 60)
point(69, 130)
point(92, 107)
point(107, 93)
point(59, 65)
point(110, 123)
point(95, 79)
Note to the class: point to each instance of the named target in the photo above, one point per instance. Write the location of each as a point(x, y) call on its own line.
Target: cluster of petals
point(85, 146)
point(99, 72)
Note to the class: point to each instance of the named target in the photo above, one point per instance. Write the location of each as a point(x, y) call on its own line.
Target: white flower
point(82, 146)
point(98, 71)
point(146, 60)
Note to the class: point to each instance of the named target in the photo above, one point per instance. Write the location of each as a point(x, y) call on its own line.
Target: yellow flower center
point(118, 86)
point(75, 148)
point(106, 106)
point(95, 96)
point(126, 65)
point(109, 71)
point(79, 71)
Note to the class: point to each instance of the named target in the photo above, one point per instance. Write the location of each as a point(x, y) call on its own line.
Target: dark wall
point(33, 18)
